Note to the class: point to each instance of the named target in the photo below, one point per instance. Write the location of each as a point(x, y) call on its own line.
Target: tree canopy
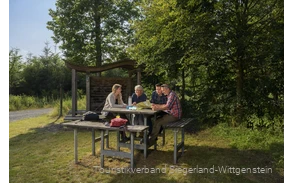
point(92, 31)
point(226, 55)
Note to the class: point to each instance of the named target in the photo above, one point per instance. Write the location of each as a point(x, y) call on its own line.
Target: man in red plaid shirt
point(172, 111)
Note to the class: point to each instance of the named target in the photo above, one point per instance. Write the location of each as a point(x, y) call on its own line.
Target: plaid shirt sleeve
point(173, 105)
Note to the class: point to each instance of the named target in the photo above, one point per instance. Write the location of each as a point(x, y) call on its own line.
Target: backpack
point(90, 116)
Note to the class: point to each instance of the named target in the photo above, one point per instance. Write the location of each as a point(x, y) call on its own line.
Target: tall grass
point(21, 102)
point(267, 140)
point(67, 105)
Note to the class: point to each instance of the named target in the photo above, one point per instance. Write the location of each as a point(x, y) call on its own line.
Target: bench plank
point(100, 125)
point(181, 123)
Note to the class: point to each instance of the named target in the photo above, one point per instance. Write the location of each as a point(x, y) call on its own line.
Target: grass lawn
point(40, 150)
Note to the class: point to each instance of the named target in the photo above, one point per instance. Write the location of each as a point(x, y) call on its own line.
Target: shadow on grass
point(198, 163)
point(206, 164)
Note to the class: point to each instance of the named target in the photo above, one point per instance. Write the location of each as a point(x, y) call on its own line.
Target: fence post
point(61, 100)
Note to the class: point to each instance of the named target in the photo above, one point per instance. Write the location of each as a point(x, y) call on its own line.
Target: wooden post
point(74, 93)
point(61, 100)
point(88, 91)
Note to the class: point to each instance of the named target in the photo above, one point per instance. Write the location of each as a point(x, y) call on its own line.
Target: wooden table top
point(130, 111)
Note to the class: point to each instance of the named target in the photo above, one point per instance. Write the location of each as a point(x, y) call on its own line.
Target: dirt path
point(17, 115)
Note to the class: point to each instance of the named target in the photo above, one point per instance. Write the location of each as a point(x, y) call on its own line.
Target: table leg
point(107, 139)
point(118, 140)
point(101, 149)
point(132, 117)
point(175, 146)
point(183, 141)
point(93, 142)
point(132, 150)
point(163, 136)
point(145, 137)
point(75, 146)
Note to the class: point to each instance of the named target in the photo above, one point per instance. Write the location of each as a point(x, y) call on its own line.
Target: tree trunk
point(183, 86)
point(239, 93)
point(97, 31)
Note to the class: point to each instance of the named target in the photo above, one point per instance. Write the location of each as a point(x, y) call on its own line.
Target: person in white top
point(114, 99)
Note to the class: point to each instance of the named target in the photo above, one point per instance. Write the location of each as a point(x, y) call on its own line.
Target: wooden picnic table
point(146, 112)
point(103, 128)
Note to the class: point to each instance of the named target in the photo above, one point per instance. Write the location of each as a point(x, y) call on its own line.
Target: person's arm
point(119, 105)
point(152, 97)
point(159, 107)
point(166, 106)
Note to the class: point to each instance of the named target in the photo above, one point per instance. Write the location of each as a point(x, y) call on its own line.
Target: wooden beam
point(125, 64)
point(74, 97)
point(88, 91)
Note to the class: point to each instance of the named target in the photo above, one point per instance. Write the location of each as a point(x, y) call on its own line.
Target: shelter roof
point(124, 63)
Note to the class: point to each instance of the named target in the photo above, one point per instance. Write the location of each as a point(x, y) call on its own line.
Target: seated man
point(157, 97)
point(172, 109)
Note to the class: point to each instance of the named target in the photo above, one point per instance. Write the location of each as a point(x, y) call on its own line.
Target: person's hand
point(153, 107)
point(134, 103)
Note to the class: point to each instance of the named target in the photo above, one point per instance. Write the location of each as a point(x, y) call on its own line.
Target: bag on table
point(144, 105)
point(117, 122)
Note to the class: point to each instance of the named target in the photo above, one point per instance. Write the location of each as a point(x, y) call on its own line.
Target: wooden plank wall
point(100, 87)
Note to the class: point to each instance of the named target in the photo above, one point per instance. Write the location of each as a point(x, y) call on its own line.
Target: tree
point(43, 75)
point(15, 69)
point(92, 31)
point(228, 53)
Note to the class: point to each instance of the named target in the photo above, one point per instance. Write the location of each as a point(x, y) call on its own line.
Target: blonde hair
point(114, 89)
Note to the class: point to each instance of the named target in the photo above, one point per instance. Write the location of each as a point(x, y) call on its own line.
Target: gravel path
point(17, 115)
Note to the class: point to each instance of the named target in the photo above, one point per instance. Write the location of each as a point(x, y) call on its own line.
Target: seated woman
point(114, 99)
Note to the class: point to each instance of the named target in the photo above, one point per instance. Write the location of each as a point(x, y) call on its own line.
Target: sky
point(27, 26)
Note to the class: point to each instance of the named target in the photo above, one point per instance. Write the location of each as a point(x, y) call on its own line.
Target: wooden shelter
point(97, 88)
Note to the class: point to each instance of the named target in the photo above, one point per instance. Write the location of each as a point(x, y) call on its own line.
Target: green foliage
point(21, 102)
point(117, 72)
point(266, 122)
point(40, 76)
point(242, 138)
point(67, 105)
point(227, 57)
point(15, 68)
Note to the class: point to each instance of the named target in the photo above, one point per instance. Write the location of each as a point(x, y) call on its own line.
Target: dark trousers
point(149, 123)
point(165, 119)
